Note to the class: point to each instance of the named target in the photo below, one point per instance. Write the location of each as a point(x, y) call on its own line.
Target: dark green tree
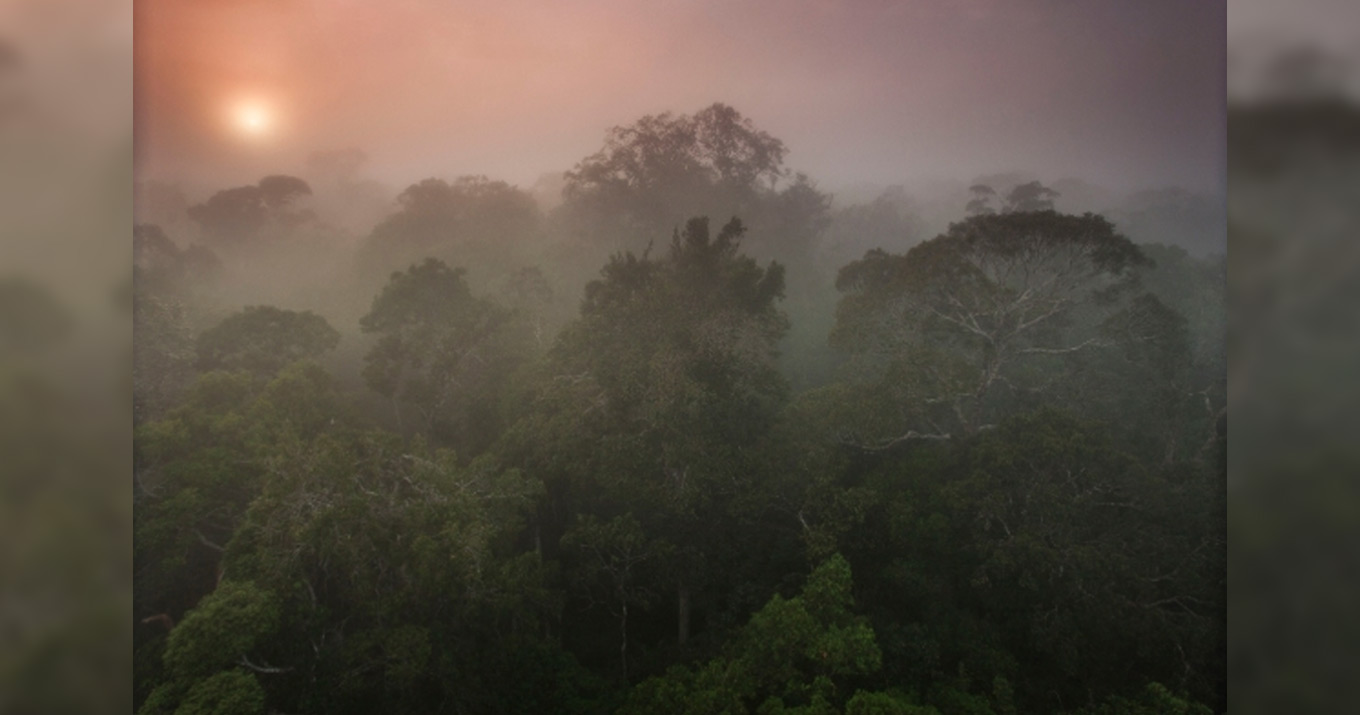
point(262, 340)
point(649, 402)
point(939, 328)
point(437, 351)
point(391, 564)
point(614, 556)
point(792, 652)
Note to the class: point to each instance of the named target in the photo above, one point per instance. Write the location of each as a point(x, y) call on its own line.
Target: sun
point(253, 119)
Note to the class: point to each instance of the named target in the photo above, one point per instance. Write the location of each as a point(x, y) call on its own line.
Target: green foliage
point(1041, 552)
point(231, 692)
point(885, 703)
point(684, 346)
point(1156, 699)
point(225, 626)
point(978, 308)
point(263, 340)
point(617, 515)
point(437, 350)
point(792, 650)
point(162, 357)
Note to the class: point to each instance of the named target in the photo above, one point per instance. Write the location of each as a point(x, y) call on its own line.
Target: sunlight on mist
point(253, 119)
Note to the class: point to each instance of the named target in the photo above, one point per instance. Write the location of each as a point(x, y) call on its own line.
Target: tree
point(891, 220)
point(676, 357)
point(1043, 553)
point(204, 651)
point(240, 215)
point(1156, 699)
point(473, 221)
point(653, 174)
point(614, 554)
point(388, 560)
point(165, 280)
point(436, 349)
point(981, 203)
point(161, 268)
point(263, 340)
point(1029, 196)
point(197, 470)
point(162, 355)
point(941, 326)
point(792, 650)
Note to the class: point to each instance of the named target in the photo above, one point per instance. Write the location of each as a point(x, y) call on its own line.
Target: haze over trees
point(699, 438)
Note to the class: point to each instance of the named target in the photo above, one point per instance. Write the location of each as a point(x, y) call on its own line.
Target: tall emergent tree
point(435, 345)
point(680, 354)
point(941, 327)
point(652, 175)
point(663, 168)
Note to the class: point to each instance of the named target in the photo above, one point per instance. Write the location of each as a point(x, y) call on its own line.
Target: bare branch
point(208, 543)
point(1059, 351)
point(266, 668)
point(910, 436)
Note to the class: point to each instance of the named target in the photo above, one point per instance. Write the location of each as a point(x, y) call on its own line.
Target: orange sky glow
point(860, 91)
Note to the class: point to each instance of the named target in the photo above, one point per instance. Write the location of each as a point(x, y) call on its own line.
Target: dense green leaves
point(792, 651)
point(512, 496)
point(437, 349)
point(263, 339)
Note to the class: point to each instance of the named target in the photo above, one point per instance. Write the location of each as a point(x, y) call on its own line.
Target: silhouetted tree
point(1029, 196)
point(653, 174)
point(241, 214)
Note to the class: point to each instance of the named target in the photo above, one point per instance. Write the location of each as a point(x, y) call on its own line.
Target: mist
point(888, 93)
point(816, 356)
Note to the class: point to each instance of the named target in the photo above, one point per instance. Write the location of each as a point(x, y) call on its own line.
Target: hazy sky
point(1126, 94)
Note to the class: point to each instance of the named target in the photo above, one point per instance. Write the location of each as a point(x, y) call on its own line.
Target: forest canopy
point(699, 437)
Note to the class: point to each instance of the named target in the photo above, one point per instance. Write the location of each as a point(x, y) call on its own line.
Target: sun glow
point(253, 119)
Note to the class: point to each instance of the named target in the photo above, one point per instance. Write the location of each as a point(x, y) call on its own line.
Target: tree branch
point(208, 543)
point(910, 436)
point(266, 668)
point(1060, 351)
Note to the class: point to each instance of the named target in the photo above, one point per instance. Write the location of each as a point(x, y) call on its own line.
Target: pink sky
point(883, 91)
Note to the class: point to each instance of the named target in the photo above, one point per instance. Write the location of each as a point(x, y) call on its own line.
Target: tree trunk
point(683, 616)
